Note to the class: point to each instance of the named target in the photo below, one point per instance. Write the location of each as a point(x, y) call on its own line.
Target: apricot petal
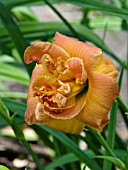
point(37, 50)
point(101, 93)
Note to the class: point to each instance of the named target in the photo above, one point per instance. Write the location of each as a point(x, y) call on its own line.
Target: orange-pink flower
point(72, 85)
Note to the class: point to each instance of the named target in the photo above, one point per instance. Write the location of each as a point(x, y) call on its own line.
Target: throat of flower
point(76, 88)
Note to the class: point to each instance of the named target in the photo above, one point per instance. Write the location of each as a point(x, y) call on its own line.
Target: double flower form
point(72, 85)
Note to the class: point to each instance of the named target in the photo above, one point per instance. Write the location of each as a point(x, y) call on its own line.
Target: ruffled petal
point(101, 93)
point(68, 126)
point(88, 53)
point(32, 101)
point(37, 50)
point(70, 112)
point(105, 66)
point(77, 67)
point(45, 80)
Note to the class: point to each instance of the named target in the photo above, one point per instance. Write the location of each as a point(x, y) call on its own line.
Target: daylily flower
point(72, 85)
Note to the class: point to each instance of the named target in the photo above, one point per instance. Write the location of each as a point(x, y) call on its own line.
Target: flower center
point(57, 87)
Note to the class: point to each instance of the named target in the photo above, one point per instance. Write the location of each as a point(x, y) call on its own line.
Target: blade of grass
point(121, 77)
point(23, 13)
point(40, 30)
point(72, 147)
point(104, 33)
point(4, 112)
point(103, 142)
point(8, 72)
point(100, 6)
point(64, 150)
point(119, 143)
point(14, 95)
point(127, 63)
point(112, 126)
point(93, 4)
point(44, 136)
point(116, 161)
point(111, 134)
point(18, 132)
point(18, 106)
point(85, 20)
point(7, 77)
point(90, 144)
point(14, 69)
point(15, 34)
point(118, 3)
point(66, 159)
point(10, 4)
point(64, 20)
point(98, 22)
point(122, 104)
point(124, 107)
point(100, 138)
point(15, 106)
point(20, 109)
point(57, 148)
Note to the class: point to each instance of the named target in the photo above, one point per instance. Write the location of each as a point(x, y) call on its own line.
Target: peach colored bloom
point(72, 85)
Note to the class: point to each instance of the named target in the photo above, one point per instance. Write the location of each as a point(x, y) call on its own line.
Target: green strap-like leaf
point(20, 135)
point(111, 134)
point(18, 132)
point(122, 104)
point(72, 147)
point(38, 29)
point(4, 111)
point(14, 3)
point(14, 32)
point(112, 127)
point(14, 95)
point(116, 161)
point(20, 109)
point(15, 106)
point(8, 72)
point(66, 159)
point(100, 6)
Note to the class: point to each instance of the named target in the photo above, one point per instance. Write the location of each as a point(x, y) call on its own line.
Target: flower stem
point(111, 134)
point(122, 104)
point(99, 137)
